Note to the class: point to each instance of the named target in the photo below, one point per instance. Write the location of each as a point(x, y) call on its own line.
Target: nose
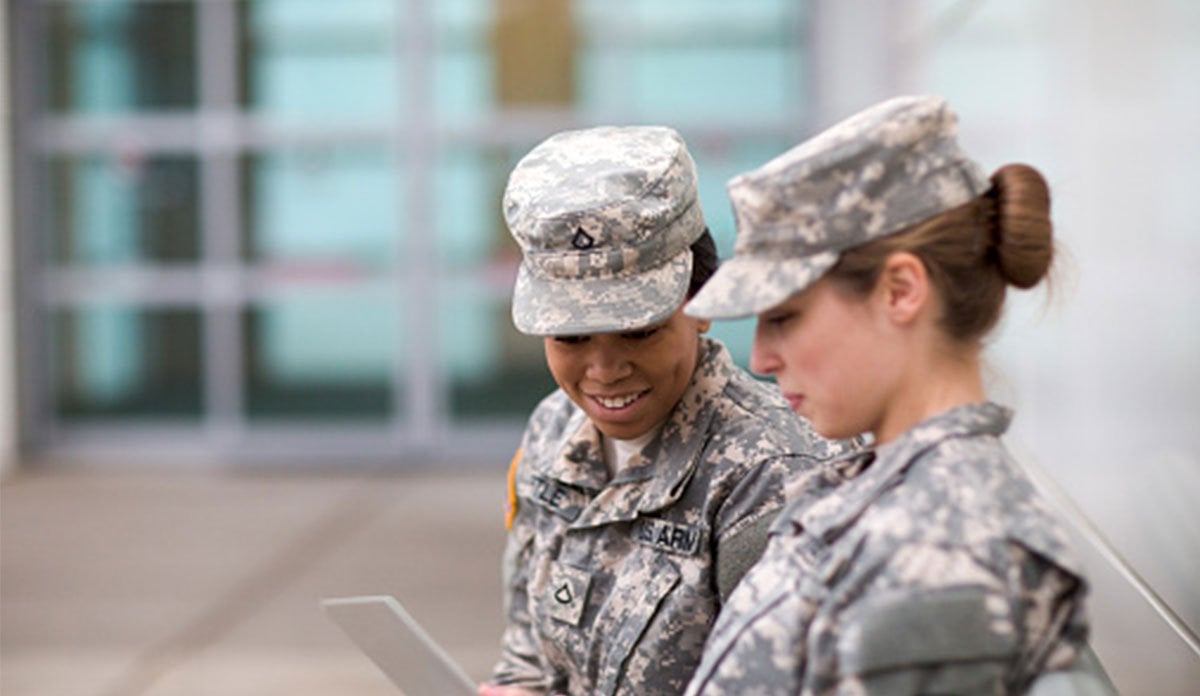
point(764, 359)
point(607, 363)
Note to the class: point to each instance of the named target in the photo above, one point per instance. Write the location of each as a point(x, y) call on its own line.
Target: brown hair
point(972, 252)
point(704, 262)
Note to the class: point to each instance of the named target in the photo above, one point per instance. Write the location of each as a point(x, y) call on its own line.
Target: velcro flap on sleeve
point(915, 628)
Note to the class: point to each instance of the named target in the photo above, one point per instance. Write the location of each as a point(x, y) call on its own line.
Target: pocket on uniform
point(637, 599)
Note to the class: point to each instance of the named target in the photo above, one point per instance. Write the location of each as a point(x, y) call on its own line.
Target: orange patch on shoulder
point(510, 509)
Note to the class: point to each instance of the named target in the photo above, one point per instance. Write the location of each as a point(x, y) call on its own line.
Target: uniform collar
point(580, 460)
point(651, 482)
point(888, 463)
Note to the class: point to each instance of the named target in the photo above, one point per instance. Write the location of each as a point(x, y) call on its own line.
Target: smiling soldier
point(645, 483)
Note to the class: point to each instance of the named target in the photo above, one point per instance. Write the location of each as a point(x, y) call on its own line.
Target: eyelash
point(779, 320)
point(639, 335)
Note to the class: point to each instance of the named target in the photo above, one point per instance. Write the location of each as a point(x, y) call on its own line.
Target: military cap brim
point(547, 306)
point(748, 285)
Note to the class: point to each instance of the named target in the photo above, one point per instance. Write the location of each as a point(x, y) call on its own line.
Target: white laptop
point(397, 644)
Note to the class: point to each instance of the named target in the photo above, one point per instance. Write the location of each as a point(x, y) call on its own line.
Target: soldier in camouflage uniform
point(876, 256)
point(644, 485)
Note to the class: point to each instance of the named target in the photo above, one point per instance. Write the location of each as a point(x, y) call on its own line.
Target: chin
point(833, 431)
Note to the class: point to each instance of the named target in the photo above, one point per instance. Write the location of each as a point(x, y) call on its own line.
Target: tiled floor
point(171, 585)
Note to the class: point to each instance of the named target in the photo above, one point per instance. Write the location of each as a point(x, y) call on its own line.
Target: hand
point(498, 690)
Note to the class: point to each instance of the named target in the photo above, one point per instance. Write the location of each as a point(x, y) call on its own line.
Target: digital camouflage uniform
point(612, 586)
point(929, 566)
point(935, 569)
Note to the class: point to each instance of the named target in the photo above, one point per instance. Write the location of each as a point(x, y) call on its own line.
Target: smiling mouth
point(616, 403)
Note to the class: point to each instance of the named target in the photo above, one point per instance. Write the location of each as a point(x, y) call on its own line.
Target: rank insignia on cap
point(582, 240)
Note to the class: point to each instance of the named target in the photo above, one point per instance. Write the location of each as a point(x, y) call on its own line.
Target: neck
point(948, 379)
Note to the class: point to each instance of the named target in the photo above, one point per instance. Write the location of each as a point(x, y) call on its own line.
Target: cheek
point(559, 366)
point(670, 367)
point(824, 364)
point(853, 378)
point(688, 353)
point(810, 354)
point(672, 355)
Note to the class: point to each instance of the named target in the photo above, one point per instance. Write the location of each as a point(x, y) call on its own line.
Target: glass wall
point(282, 216)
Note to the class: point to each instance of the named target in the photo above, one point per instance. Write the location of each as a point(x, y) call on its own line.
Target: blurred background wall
point(250, 232)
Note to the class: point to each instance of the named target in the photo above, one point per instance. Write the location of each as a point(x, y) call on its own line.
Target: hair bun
point(1023, 232)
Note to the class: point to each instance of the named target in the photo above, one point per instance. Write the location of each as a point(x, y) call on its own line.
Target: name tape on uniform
point(668, 536)
point(559, 498)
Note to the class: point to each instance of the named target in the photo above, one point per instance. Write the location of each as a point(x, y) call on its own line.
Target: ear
point(903, 290)
point(703, 325)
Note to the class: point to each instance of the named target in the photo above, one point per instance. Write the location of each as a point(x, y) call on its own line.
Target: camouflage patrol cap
point(876, 173)
point(605, 218)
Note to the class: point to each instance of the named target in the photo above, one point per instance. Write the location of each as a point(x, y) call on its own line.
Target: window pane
point(310, 356)
point(720, 62)
point(463, 82)
point(702, 84)
point(120, 361)
point(121, 56)
point(493, 372)
point(107, 210)
point(468, 185)
point(315, 59)
point(701, 13)
point(329, 206)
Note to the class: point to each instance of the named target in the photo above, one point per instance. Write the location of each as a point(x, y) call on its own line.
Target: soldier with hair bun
point(645, 484)
point(876, 257)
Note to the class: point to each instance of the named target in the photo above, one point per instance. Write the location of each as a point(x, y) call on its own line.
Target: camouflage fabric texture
point(604, 218)
point(933, 568)
point(611, 584)
point(876, 173)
